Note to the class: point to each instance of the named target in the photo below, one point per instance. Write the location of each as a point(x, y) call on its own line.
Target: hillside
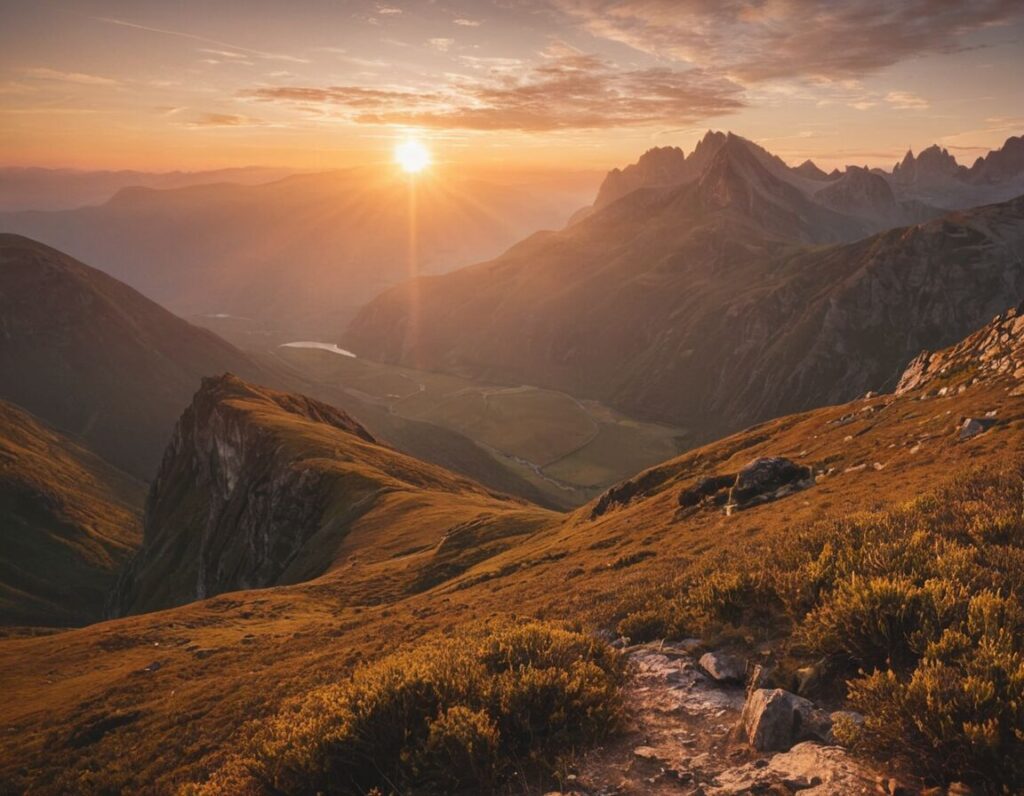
point(137, 683)
point(709, 306)
point(260, 488)
point(70, 522)
point(71, 336)
point(293, 258)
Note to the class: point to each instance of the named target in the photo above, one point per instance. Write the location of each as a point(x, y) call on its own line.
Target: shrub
point(961, 711)
point(917, 607)
point(449, 716)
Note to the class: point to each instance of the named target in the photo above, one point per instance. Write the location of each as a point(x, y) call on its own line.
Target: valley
point(567, 448)
point(713, 490)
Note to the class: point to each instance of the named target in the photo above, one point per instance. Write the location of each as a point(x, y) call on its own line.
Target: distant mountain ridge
point(292, 258)
point(744, 294)
point(933, 177)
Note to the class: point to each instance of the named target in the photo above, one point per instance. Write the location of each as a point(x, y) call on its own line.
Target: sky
point(567, 84)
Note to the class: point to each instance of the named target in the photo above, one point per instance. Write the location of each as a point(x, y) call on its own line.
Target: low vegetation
point(918, 609)
point(474, 713)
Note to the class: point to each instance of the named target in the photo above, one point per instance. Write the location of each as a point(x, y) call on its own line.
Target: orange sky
point(538, 83)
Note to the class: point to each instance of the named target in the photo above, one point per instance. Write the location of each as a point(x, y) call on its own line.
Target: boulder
point(713, 488)
point(768, 478)
point(808, 768)
point(723, 668)
point(773, 720)
point(973, 426)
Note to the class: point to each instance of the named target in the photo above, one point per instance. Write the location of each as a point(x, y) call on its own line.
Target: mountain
point(293, 258)
point(895, 505)
point(1000, 165)
point(107, 366)
point(657, 166)
point(33, 188)
point(864, 200)
point(70, 521)
point(935, 178)
point(96, 359)
point(260, 488)
point(810, 170)
point(714, 304)
point(864, 194)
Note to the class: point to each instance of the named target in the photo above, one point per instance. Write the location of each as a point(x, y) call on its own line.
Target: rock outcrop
point(768, 478)
point(774, 720)
point(995, 350)
point(260, 488)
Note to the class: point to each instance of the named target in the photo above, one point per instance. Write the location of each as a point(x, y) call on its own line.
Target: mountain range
point(293, 258)
point(718, 302)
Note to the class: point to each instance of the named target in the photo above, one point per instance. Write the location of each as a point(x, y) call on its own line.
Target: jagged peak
point(810, 170)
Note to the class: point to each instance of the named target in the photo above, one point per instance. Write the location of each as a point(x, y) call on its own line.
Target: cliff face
point(231, 507)
point(261, 488)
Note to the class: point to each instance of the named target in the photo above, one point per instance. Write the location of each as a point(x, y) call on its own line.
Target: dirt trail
point(685, 738)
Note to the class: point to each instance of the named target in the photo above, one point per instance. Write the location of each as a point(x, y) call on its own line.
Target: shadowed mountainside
point(70, 522)
point(95, 358)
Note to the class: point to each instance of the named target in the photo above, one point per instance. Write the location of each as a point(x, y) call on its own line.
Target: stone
point(774, 720)
point(723, 668)
point(973, 426)
point(768, 478)
point(816, 770)
point(706, 489)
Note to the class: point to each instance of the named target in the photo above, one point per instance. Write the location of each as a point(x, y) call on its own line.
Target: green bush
point(452, 716)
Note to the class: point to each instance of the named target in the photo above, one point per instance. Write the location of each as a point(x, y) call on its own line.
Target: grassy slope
point(70, 521)
point(212, 665)
point(564, 450)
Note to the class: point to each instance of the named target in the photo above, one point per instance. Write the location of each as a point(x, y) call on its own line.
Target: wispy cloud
point(571, 90)
point(467, 23)
point(755, 41)
point(224, 120)
point(905, 100)
point(80, 78)
point(270, 56)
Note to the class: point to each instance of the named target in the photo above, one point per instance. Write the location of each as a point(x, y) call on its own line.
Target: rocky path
point(686, 736)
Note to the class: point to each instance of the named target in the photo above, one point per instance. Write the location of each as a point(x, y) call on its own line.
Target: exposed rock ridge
point(253, 502)
point(997, 349)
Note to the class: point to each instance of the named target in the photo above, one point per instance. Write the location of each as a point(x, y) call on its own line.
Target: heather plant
point(458, 715)
point(919, 606)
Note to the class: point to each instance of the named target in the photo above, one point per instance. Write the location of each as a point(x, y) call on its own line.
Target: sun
point(412, 156)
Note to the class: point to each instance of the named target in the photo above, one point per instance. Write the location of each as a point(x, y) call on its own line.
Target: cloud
point(755, 40)
point(80, 78)
point(570, 90)
point(442, 45)
point(224, 120)
point(904, 100)
point(270, 56)
point(467, 23)
point(389, 11)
